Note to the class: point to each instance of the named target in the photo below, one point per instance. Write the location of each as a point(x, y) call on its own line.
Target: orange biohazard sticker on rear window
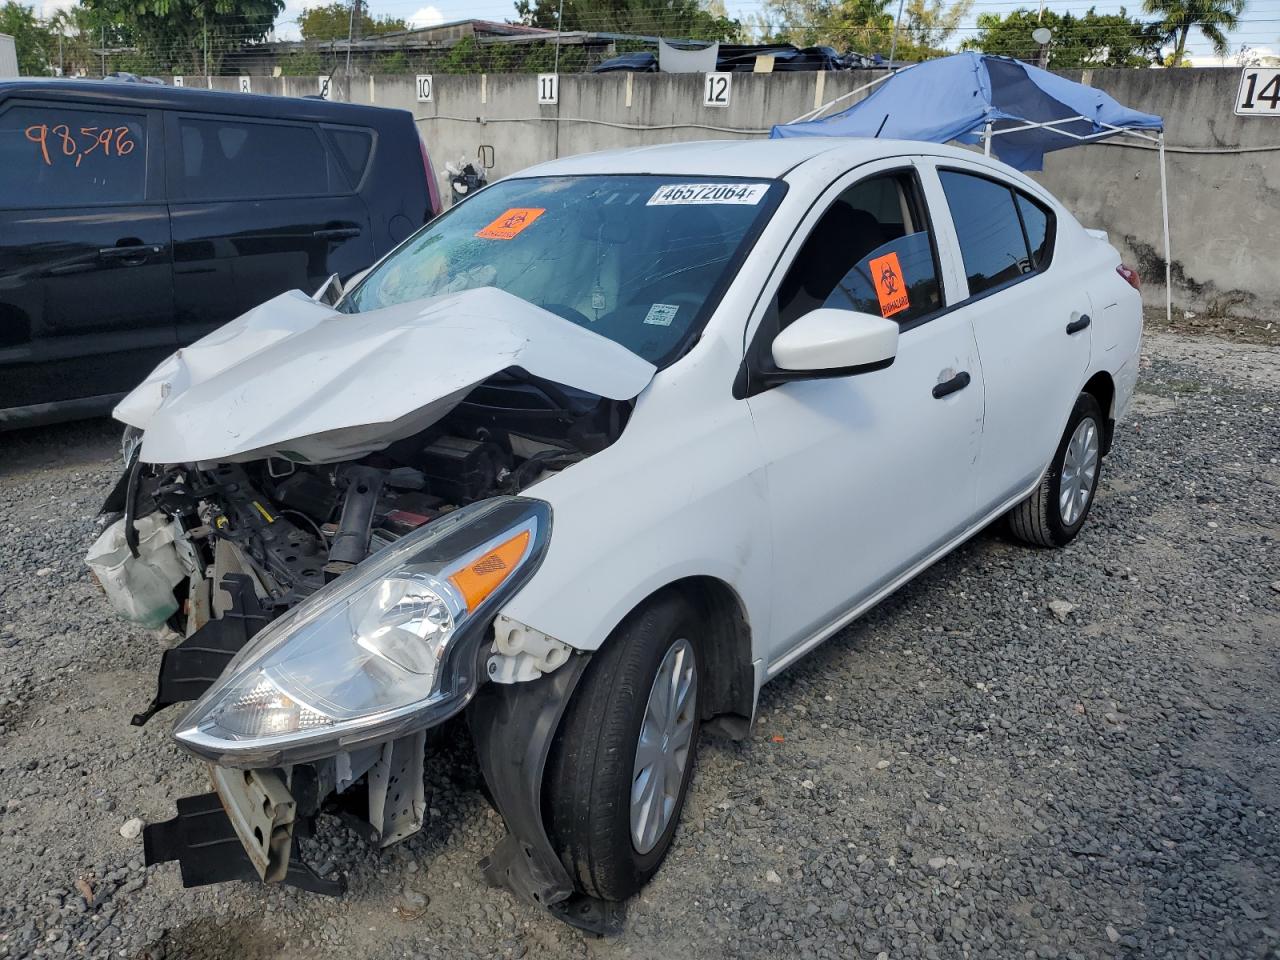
point(891, 287)
point(511, 223)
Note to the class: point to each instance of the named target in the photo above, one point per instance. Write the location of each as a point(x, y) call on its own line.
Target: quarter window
point(871, 252)
point(229, 159)
point(1038, 223)
point(68, 157)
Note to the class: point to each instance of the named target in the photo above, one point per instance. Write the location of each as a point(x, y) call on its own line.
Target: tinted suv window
point(992, 244)
point(68, 157)
point(870, 252)
point(354, 147)
point(233, 159)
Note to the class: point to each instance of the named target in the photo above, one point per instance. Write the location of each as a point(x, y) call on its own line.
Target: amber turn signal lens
point(482, 576)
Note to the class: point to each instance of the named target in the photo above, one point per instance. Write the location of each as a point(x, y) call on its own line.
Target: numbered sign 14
point(716, 89)
point(1259, 92)
point(426, 89)
point(549, 88)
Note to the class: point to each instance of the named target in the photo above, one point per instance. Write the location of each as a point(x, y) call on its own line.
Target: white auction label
point(698, 193)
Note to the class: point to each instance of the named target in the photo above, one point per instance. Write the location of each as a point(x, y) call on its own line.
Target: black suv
point(136, 218)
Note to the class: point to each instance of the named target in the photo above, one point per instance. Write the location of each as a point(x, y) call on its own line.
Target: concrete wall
point(1224, 206)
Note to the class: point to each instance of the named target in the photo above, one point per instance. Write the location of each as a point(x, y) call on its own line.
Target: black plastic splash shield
point(190, 668)
point(203, 841)
point(513, 726)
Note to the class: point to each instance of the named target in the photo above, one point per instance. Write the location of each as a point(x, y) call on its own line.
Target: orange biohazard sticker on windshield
point(511, 223)
point(891, 288)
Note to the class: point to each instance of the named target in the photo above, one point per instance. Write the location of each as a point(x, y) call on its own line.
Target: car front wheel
point(1057, 508)
point(621, 763)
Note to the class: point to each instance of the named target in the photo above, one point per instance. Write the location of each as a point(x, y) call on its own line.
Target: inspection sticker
point(511, 223)
point(661, 314)
point(891, 288)
point(698, 193)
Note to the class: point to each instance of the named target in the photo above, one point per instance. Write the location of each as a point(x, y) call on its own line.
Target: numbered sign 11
point(426, 89)
point(716, 89)
point(245, 85)
point(548, 88)
point(324, 88)
point(1259, 94)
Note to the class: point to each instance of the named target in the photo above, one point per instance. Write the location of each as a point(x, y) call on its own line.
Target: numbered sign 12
point(716, 89)
point(245, 85)
point(549, 88)
point(1259, 94)
point(426, 89)
point(325, 88)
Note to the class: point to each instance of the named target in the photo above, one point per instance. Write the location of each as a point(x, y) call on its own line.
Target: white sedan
point(588, 460)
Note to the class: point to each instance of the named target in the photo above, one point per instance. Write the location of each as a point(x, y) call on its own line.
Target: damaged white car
point(591, 457)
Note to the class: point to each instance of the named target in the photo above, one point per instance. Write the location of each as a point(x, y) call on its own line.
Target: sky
point(1259, 28)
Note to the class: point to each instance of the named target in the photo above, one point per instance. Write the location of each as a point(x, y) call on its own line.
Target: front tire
point(620, 767)
point(1057, 509)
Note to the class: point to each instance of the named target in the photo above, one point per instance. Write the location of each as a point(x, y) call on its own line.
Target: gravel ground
point(967, 771)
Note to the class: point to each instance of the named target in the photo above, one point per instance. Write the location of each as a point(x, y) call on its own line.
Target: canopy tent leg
point(1168, 259)
point(986, 139)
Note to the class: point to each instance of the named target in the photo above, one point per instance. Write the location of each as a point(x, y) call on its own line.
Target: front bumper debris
point(208, 850)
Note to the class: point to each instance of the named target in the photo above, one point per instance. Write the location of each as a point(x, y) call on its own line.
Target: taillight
point(433, 188)
point(1130, 276)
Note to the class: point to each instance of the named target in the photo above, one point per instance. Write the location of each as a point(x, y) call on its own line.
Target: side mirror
point(836, 342)
point(330, 291)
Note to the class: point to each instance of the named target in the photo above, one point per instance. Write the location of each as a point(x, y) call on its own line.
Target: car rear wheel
point(621, 764)
point(1058, 507)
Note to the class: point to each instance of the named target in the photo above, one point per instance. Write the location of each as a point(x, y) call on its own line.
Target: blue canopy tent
point(1016, 111)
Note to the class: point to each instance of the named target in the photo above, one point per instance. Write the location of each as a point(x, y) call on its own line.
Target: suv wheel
point(1056, 510)
point(620, 766)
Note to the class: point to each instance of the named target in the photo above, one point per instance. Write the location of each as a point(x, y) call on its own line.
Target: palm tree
point(1212, 17)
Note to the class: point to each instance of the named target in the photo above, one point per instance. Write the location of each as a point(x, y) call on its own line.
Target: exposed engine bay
point(296, 526)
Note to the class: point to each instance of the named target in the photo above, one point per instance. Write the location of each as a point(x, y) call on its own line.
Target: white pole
point(559, 28)
point(986, 139)
point(1168, 260)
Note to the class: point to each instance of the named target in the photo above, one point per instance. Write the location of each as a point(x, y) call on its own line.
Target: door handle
point(1075, 326)
point(132, 254)
point(948, 387)
point(337, 233)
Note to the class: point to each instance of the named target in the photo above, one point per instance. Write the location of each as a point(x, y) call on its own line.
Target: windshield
point(641, 260)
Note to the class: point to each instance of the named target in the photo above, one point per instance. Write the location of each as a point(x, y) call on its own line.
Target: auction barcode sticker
point(697, 193)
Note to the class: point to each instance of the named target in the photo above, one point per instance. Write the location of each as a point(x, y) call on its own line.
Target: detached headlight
point(388, 648)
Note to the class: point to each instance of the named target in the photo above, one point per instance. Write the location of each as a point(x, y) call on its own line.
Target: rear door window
point(992, 244)
point(1038, 223)
point(232, 159)
point(64, 156)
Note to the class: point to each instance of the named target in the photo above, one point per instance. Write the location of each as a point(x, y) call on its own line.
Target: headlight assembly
point(391, 647)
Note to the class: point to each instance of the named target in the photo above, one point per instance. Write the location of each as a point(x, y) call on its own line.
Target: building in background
point(8, 57)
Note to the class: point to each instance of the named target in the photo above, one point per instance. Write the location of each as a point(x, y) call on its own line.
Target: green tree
point(171, 36)
point(31, 39)
point(1212, 17)
point(332, 21)
point(862, 25)
point(1090, 40)
point(927, 25)
point(685, 19)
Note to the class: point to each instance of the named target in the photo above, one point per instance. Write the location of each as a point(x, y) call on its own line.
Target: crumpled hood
point(297, 379)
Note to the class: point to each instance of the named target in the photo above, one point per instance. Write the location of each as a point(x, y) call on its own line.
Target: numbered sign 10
point(426, 89)
point(548, 88)
point(1259, 92)
point(716, 89)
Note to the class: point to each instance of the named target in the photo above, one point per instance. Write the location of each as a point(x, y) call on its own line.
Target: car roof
point(739, 158)
point(159, 96)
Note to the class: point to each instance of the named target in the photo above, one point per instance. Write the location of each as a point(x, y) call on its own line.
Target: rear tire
point(592, 773)
point(1056, 510)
